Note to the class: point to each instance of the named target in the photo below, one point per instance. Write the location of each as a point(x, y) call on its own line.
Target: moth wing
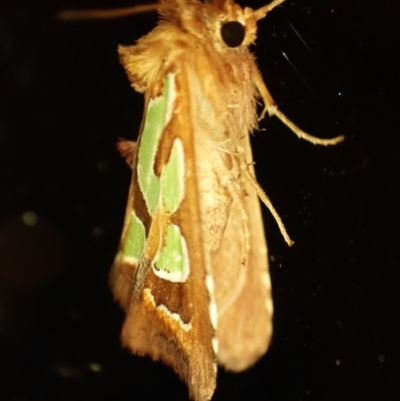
point(169, 320)
point(127, 149)
point(243, 283)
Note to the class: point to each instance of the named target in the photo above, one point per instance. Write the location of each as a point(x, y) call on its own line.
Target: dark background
point(64, 101)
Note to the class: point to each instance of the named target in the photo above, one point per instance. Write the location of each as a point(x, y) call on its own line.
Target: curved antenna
point(74, 15)
point(261, 12)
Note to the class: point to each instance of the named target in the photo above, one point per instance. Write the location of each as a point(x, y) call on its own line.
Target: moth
point(191, 271)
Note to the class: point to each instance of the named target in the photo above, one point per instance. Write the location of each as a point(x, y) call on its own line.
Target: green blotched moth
point(191, 272)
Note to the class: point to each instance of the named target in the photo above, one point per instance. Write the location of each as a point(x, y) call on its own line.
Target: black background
point(64, 102)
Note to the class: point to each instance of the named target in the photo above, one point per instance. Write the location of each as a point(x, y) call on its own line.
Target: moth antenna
point(75, 15)
point(262, 11)
point(267, 202)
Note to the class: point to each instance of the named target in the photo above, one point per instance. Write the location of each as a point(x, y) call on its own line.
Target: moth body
point(191, 272)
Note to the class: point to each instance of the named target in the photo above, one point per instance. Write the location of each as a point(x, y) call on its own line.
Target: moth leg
point(267, 202)
point(236, 196)
point(128, 151)
point(272, 109)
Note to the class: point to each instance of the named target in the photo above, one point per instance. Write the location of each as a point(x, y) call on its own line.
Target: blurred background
point(65, 100)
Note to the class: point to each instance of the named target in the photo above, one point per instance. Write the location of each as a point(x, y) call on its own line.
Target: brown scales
point(219, 217)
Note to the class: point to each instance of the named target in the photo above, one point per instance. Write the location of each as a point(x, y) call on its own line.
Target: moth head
point(237, 25)
point(231, 25)
point(221, 21)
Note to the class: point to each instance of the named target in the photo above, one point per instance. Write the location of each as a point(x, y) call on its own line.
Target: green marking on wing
point(173, 261)
point(135, 239)
point(173, 178)
point(158, 114)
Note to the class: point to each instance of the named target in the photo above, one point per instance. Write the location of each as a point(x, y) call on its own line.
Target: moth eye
point(232, 33)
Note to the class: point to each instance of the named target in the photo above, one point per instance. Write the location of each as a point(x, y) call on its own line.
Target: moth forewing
point(167, 314)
